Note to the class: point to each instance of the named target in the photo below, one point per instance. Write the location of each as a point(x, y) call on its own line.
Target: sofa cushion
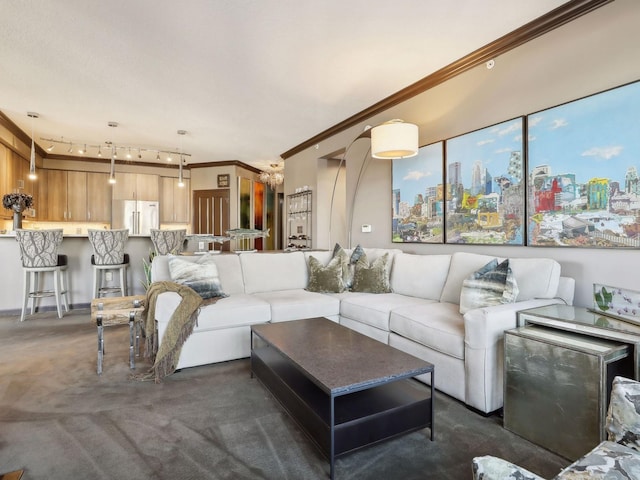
point(372, 277)
point(233, 311)
point(374, 309)
point(268, 272)
point(420, 276)
point(493, 284)
point(438, 326)
point(299, 303)
point(228, 265)
point(201, 275)
point(536, 277)
point(327, 278)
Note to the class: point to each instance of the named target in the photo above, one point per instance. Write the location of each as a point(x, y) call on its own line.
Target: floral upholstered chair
point(168, 242)
point(616, 458)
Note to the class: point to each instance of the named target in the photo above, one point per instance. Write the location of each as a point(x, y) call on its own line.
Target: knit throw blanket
point(182, 322)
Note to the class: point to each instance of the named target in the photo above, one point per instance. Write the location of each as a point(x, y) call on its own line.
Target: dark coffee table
point(344, 389)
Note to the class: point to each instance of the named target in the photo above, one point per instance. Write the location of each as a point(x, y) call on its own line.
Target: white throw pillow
point(493, 284)
point(201, 275)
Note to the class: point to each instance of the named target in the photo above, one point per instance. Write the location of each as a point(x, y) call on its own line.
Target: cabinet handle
point(88, 215)
point(64, 215)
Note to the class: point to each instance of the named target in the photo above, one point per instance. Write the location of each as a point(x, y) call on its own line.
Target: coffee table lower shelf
point(361, 417)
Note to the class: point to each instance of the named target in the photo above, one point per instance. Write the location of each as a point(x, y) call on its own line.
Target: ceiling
point(246, 79)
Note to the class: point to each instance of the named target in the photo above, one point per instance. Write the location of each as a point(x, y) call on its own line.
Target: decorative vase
point(17, 220)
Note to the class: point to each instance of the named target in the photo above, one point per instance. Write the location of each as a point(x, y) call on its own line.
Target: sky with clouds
point(593, 137)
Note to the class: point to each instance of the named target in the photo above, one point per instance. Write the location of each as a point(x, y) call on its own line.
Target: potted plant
point(18, 202)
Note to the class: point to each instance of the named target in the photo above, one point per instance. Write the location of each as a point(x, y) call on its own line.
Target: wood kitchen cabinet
point(136, 186)
point(174, 201)
point(98, 197)
point(64, 196)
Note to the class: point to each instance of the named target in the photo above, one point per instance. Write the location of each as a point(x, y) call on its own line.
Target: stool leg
point(100, 342)
point(56, 290)
point(35, 284)
point(132, 319)
point(27, 289)
point(64, 286)
point(123, 281)
point(95, 282)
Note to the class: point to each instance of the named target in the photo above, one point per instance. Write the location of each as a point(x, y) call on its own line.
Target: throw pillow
point(493, 284)
point(326, 279)
point(349, 266)
point(374, 277)
point(201, 275)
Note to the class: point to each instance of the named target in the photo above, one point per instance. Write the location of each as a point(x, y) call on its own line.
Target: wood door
point(166, 200)
point(211, 214)
point(76, 196)
point(98, 197)
point(56, 187)
point(125, 186)
point(147, 187)
point(5, 183)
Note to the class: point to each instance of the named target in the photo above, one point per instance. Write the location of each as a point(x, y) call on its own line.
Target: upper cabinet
point(65, 195)
point(136, 186)
point(174, 201)
point(98, 197)
point(73, 196)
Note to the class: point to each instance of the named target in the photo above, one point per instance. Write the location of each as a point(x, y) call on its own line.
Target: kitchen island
point(78, 251)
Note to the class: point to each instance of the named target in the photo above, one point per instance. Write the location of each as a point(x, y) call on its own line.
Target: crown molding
point(544, 24)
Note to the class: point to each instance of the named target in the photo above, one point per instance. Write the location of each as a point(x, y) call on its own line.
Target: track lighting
point(99, 151)
point(129, 154)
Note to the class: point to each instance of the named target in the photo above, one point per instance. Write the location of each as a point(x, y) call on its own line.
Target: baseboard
point(48, 308)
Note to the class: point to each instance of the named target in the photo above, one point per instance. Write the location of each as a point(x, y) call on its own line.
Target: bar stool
point(39, 254)
point(108, 255)
point(168, 242)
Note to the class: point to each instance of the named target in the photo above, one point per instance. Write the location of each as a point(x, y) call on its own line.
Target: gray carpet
point(59, 420)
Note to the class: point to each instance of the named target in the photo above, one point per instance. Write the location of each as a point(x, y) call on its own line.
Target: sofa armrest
point(484, 327)
point(483, 350)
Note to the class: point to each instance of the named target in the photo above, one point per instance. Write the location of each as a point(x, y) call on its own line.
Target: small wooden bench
point(118, 311)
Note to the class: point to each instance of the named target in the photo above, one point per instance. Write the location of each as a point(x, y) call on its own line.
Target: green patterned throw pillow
point(326, 279)
point(349, 264)
point(374, 277)
point(201, 275)
point(493, 284)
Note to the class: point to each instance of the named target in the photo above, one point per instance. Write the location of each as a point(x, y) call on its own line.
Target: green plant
point(146, 267)
point(603, 299)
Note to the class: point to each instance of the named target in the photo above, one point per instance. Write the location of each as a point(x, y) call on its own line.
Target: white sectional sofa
point(421, 316)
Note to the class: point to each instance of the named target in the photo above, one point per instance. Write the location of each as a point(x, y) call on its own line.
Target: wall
point(596, 52)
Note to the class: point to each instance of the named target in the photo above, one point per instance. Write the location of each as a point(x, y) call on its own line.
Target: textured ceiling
point(247, 79)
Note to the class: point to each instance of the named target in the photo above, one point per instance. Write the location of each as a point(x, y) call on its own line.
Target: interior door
point(211, 214)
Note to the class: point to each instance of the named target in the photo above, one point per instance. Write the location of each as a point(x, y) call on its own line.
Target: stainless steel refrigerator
point(139, 217)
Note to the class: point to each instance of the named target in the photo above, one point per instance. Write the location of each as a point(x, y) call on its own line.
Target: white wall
point(596, 52)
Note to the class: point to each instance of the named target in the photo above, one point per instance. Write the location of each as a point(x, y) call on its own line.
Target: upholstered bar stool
point(168, 241)
point(39, 254)
point(108, 255)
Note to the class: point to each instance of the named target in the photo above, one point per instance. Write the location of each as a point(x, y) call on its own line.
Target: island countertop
point(78, 251)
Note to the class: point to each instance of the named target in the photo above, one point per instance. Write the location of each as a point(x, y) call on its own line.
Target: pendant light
point(112, 173)
point(182, 133)
point(32, 161)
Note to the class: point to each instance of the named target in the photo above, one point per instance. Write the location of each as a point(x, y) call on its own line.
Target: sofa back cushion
point(228, 265)
point(421, 276)
point(268, 272)
point(536, 277)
